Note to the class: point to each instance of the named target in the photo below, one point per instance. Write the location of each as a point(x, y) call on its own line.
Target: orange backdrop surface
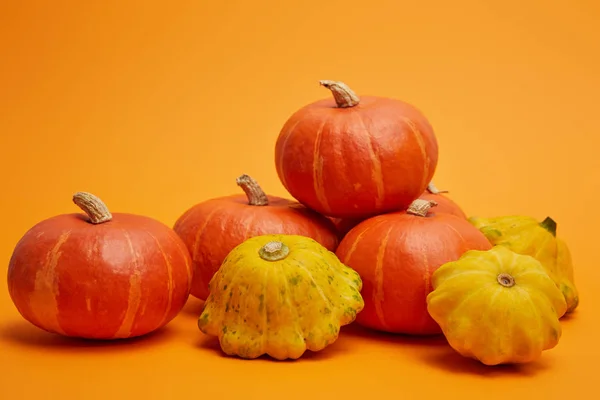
point(155, 107)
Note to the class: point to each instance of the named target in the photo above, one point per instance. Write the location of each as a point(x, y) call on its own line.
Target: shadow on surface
point(330, 352)
point(435, 351)
point(450, 361)
point(359, 332)
point(22, 333)
point(193, 307)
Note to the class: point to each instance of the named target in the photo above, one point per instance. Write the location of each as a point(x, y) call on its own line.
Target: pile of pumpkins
point(365, 237)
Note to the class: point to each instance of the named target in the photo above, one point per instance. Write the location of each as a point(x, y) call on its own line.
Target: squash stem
point(256, 196)
point(343, 95)
point(274, 251)
point(95, 208)
point(506, 280)
point(421, 207)
point(550, 225)
point(431, 188)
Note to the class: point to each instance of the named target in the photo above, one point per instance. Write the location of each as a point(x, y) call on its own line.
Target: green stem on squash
point(421, 207)
point(274, 251)
point(95, 208)
point(343, 95)
point(431, 188)
point(550, 225)
point(256, 196)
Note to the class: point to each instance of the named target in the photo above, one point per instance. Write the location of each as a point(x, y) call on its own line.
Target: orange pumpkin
point(104, 276)
point(351, 157)
point(211, 229)
point(444, 203)
point(395, 254)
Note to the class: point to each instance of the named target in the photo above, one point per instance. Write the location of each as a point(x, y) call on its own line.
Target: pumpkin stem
point(274, 251)
point(550, 225)
point(506, 280)
point(431, 188)
point(95, 208)
point(256, 196)
point(421, 207)
point(343, 95)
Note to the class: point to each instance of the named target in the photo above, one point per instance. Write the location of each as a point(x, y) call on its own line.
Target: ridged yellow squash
point(280, 295)
point(526, 235)
point(497, 306)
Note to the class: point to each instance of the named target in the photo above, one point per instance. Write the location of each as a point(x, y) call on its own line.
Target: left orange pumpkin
point(104, 276)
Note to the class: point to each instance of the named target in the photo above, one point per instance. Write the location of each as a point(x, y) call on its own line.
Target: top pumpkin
point(347, 157)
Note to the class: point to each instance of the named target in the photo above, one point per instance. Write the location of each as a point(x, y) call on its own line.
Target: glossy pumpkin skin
point(346, 162)
point(284, 307)
point(118, 279)
point(211, 229)
point(527, 235)
point(395, 255)
point(484, 318)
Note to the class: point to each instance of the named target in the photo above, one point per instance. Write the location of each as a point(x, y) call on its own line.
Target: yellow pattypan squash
point(528, 236)
point(280, 295)
point(497, 306)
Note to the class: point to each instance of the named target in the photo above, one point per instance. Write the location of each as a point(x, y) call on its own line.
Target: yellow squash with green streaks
point(497, 306)
point(280, 295)
point(526, 235)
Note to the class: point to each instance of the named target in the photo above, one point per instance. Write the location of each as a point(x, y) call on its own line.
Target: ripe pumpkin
point(343, 156)
point(211, 229)
point(444, 203)
point(527, 235)
point(343, 225)
point(497, 306)
point(395, 255)
point(280, 295)
point(104, 276)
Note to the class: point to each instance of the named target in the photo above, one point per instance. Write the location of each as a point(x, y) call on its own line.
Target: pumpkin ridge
point(249, 225)
point(317, 167)
point(377, 172)
point(169, 268)
point(134, 294)
point(280, 165)
point(201, 230)
point(47, 278)
point(357, 240)
point(378, 294)
point(418, 136)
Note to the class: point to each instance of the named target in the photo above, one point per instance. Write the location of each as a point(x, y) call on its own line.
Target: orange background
point(157, 107)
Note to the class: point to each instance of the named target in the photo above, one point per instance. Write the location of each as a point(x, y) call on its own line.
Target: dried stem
point(421, 207)
point(431, 188)
point(343, 95)
point(95, 208)
point(256, 196)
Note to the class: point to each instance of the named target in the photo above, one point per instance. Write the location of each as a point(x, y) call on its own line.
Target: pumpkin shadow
point(211, 343)
point(22, 333)
point(435, 351)
point(570, 317)
point(193, 307)
point(450, 361)
point(356, 331)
